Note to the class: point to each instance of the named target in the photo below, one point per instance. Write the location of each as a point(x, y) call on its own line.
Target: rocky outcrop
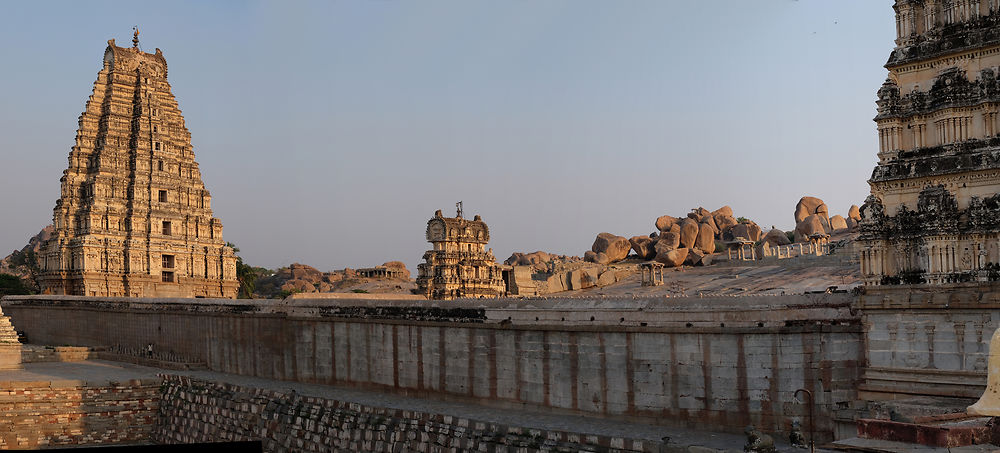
point(615, 248)
point(643, 246)
point(776, 237)
point(808, 206)
point(663, 223)
point(838, 223)
point(809, 226)
point(747, 230)
point(689, 232)
point(672, 257)
point(706, 238)
point(854, 213)
point(298, 271)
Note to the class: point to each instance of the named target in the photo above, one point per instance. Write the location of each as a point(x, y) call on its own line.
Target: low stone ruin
point(302, 278)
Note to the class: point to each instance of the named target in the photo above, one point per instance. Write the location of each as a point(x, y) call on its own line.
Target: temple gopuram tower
point(934, 211)
point(133, 218)
point(459, 266)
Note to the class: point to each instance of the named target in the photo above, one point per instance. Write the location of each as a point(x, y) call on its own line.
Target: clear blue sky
point(330, 132)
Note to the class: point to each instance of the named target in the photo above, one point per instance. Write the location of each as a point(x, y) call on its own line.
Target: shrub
point(11, 285)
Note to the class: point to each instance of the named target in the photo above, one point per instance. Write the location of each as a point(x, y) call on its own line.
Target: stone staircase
point(10, 347)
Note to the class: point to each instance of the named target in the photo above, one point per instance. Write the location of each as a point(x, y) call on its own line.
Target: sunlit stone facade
point(134, 218)
point(934, 211)
point(459, 265)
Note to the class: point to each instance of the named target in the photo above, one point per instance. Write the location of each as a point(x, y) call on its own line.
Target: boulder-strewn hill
point(24, 262)
point(301, 278)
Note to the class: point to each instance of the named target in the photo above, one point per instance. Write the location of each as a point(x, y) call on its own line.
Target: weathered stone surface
point(854, 212)
point(748, 230)
point(589, 256)
point(699, 214)
point(852, 224)
point(615, 247)
point(837, 223)
point(668, 240)
point(807, 227)
point(643, 247)
point(606, 278)
point(808, 206)
point(477, 273)
point(706, 238)
point(710, 221)
point(724, 211)
point(527, 259)
point(672, 257)
point(696, 257)
point(152, 209)
point(689, 232)
point(299, 271)
point(725, 222)
point(299, 286)
point(776, 237)
point(663, 223)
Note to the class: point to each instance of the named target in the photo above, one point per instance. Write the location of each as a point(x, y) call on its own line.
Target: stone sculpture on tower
point(133, 218)
point(934, 211)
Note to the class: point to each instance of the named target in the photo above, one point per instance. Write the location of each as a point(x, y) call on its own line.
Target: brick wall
point(43, 414)
point(200, 411)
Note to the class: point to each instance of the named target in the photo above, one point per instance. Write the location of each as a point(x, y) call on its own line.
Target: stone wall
point(714, 362)
point(63, 413)
point(201, 411)
point(928, 340)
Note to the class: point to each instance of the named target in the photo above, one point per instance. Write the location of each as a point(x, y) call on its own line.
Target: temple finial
point(135, 37)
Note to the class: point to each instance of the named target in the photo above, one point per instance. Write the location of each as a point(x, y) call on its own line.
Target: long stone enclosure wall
point(720, 377)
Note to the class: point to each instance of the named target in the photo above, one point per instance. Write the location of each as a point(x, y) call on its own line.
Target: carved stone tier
point(934, 211)
point(10, 347)
point(459, 266)
point(134, 218)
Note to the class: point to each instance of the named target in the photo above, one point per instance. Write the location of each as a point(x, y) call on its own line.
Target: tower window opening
point(156, 146)
point(168, 261)
point(167, 277)
point(163, 195)
point(159, 165)
point(166, 228)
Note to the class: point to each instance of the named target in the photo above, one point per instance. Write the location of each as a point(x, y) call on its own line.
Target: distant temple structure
point(459, 266)
point(134, 218)
point(934, 211)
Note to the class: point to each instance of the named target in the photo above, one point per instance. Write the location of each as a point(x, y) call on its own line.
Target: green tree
point(246, 274)
point(11, 285)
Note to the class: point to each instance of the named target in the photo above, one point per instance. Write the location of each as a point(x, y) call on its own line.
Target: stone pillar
point(10, 348)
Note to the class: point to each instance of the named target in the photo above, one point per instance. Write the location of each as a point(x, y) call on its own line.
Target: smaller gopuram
point(459, 266)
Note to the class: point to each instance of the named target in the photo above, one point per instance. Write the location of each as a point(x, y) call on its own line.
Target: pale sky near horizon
point(329, 132)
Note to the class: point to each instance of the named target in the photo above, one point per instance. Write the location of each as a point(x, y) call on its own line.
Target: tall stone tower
point(459, 265)
point(134, 218)
point(934, 211)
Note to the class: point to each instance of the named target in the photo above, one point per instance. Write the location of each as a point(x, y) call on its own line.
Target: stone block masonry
point(203, 411)
point(709, 363)
point(66, 413)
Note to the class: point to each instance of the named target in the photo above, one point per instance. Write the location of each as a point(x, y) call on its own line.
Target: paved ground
point(98, 371)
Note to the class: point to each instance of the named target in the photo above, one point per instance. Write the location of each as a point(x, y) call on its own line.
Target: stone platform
point(586, 429)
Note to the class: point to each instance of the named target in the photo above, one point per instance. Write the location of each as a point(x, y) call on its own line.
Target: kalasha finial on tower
point(459, 206)
point(135, 37)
